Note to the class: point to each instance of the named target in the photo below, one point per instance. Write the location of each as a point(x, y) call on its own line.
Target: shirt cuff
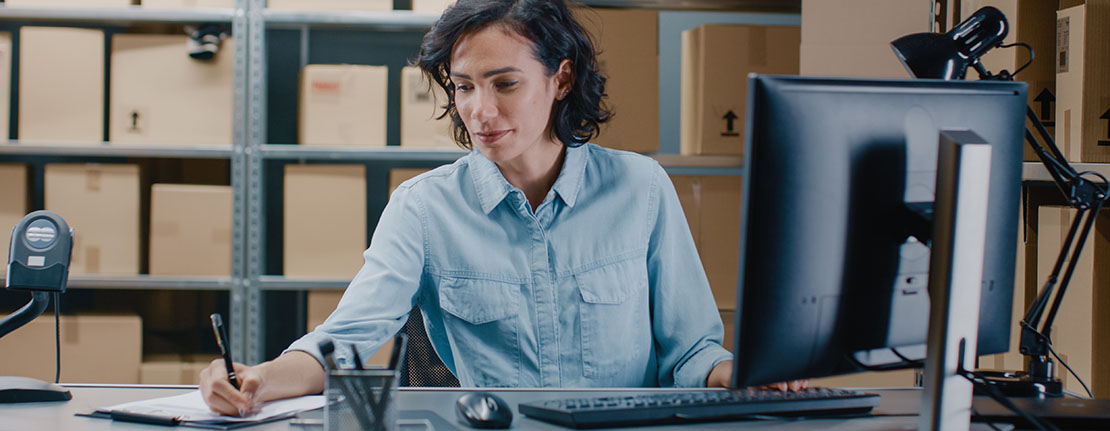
point(310, 343)
point(695, 371)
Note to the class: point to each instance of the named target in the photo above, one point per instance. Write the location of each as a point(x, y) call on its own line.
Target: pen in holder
point(361, 400)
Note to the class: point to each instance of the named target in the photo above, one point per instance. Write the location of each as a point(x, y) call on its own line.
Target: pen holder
point(361, 400)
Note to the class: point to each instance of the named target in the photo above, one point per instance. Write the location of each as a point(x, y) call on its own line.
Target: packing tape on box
point(92, 259)
point(71, 332)
point(92, 179)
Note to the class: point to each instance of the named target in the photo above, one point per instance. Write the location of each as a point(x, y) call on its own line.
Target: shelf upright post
point(256, 217)
point(240, 191)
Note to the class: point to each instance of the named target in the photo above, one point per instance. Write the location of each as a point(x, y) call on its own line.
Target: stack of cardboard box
point(628, 55)
point(94, 349)
point(162, 96)
point(325, 220)
point(101, 203)
point(13, 204)
point(852, 37)
point(61, 85)
point(716, 60)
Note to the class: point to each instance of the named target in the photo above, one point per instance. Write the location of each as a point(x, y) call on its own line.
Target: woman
point(538, 260)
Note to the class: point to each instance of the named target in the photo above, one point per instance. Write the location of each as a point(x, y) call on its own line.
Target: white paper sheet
point(190, 407)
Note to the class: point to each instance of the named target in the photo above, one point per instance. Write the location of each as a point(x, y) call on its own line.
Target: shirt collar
point(492, 187)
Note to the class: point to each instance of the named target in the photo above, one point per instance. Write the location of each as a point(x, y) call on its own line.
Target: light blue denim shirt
point(601, 286)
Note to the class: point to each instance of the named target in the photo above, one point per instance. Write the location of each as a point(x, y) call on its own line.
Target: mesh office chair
point(423, 368)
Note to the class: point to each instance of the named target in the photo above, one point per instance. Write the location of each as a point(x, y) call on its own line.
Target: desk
point(902, 403)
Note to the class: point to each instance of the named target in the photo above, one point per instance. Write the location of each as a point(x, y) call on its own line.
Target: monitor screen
point(836, 220)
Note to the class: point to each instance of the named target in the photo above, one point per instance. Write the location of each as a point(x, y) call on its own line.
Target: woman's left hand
point(721, 377)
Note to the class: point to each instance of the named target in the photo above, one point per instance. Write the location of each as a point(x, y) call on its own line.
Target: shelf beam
point(128, 15)
point(107, 149)
point(788, 6)
point(401, 20)
point(151, 282)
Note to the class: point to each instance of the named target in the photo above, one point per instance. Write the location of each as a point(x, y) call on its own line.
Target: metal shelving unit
point(236, 154)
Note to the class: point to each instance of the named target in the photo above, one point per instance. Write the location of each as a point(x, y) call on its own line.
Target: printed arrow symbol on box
point(1106, 116)
point(1046, 98)
point(730, 117)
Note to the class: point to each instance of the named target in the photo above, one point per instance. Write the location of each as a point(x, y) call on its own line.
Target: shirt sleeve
point(685, 319)
point(377, 302)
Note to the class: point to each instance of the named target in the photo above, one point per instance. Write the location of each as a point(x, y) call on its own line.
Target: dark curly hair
point(555, 36)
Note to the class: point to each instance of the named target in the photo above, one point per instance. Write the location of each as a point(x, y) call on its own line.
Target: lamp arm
point(1056, 158)
point(1088, 224)
point(39, 301)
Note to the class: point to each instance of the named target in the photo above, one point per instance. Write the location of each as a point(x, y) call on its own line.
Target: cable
point(914, 362)
point(1031, 55)
point(1065, 364)
point(990, 424)
point(57, 339)
point(979, 380)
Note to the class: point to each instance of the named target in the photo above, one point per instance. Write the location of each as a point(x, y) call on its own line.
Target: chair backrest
point(423, 367)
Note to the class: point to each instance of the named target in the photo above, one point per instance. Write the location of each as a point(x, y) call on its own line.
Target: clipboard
point(172, 421)
point(190, 410)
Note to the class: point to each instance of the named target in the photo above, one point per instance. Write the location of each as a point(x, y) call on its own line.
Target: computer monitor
point(836, 218)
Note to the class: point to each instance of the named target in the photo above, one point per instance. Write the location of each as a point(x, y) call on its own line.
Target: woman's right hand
point(222, 397)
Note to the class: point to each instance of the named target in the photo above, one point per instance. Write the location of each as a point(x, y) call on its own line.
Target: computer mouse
point(483, 410)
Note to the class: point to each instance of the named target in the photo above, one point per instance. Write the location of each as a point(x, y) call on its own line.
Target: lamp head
point(947, 56)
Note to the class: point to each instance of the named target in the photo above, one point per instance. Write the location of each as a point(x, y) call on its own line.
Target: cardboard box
point(1079, 333)
point(421, 103)
point(321, 303)
point(101, 203)
point(69, 3)
point(712, 207)
point(190, 103)
point(61, 85)
point(1082, 84)
point(95, 349)
point(173, 369)
point(343, 105)
point(628, 55)
point(13, 205)
point(845, 38)
point(400, 175)
point(715, 84)
point(5, 84)
point(872, 379)
point(190, 229)
point(330, 5)
point(431, 6)
point(1032, 22)
point(188, 4)
point(325, 220)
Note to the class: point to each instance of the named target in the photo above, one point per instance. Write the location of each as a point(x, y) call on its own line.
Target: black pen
point(225, 348)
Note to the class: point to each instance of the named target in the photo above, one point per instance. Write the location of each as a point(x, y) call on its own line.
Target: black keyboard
point(697, 406)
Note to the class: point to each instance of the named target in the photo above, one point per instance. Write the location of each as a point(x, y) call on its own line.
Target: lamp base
point(28, 390)
point(1022, 385)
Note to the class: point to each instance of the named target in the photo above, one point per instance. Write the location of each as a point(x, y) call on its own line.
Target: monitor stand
point(955, 277)
point(28, 390)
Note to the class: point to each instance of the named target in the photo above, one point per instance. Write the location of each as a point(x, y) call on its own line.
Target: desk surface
point(897, 411)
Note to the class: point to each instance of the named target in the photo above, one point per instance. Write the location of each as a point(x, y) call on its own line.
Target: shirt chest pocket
point(615, 326)
point(483, 329)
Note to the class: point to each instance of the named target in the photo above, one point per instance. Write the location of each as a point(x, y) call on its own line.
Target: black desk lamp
point(38, 262)
point(948, 56)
